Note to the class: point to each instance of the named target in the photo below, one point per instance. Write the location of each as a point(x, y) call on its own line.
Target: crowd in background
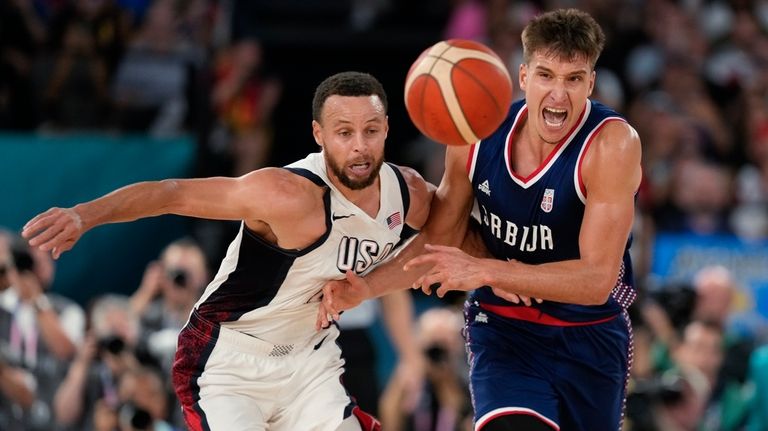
point(690, 75)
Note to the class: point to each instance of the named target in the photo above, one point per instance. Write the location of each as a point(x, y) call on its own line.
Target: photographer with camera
point(89, 394)
point(16, 392)
point(168, 291)
point(443, 403)
point(41, 330)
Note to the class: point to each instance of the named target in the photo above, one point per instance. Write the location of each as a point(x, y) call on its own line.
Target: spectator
point(17, 392)
point(168, 291)
point(152, 79)
point(43, 330)
point(76, 94)
point(89, 393)
point(443, 399)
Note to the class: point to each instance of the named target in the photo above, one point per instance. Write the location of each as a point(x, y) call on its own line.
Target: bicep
point(612, 177)
point(224, 198)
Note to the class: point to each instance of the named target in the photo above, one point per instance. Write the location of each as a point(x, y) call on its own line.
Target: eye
point(344, 133)
point(576, 78)
point(544, 75)
point(372, 131)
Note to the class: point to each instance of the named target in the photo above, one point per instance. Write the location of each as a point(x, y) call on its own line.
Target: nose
point(359, 143)
point(559, 92)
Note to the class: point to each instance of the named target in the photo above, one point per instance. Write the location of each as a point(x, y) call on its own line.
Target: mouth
point(360, 168)
point(554, 118)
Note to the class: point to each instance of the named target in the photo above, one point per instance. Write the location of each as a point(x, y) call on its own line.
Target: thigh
point(594, 372)
point(510, 372)
point(221, 388)
point(317, 399)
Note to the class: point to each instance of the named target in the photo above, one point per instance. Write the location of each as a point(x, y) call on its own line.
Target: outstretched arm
point(611, 173)
point(58, 229)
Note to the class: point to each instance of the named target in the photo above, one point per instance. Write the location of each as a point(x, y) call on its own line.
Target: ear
point(591, 82)
point(386, 126)
point(316, 132)
point(523, 76)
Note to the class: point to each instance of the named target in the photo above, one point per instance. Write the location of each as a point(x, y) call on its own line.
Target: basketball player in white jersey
point(249, 357)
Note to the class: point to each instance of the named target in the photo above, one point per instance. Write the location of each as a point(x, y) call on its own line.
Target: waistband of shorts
point(238, 340)
point(532, 314)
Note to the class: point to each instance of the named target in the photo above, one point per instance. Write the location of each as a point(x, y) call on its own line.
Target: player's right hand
point(340, 295)
point(56, 230)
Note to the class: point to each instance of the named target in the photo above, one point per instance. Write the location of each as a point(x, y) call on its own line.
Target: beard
point(350, 183)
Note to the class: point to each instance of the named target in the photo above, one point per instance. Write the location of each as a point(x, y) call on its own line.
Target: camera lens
point(178, 276)
point(112, 344)
point(436, 353)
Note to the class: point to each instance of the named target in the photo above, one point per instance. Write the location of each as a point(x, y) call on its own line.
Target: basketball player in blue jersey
point(249, 356)
point(553, 194)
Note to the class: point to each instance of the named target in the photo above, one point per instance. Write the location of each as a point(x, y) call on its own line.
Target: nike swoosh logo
point(317, 346)
point(337, 217)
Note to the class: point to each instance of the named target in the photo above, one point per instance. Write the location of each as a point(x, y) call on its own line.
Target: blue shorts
point(571, 377)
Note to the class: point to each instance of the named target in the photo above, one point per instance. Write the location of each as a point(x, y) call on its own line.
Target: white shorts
point(227, 380)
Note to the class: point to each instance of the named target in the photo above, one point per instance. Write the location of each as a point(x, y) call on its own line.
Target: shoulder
point(417, 185)
point(615, 153)
point(615, 141)
point(283, 189)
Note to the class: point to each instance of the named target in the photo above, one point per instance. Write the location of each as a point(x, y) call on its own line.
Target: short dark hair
point(347, 84)
point(565, 33)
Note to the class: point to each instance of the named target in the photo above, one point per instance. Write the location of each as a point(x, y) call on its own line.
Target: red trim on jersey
point(552, 153)
point(584, 153)
point(471, 158)
point(531, 314)
point(512, 412)
point(193, 420)
point(367, 422)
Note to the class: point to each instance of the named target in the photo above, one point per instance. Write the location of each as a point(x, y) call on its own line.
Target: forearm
point(56, 340)
point(398, 318)
point(14, 387)
point(68, 401)
point(144, 199)
point(439, 229)
point(571, 281)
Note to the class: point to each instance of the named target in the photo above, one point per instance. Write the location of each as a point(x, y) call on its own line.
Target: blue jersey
point(537, 219)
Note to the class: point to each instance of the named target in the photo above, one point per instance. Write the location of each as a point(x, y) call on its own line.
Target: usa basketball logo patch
point(547, 200)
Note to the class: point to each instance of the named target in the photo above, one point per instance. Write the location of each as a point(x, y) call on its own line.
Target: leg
point(593, 377)
point(220, 388)
point(511, 370)
point(315, 398)
point(518, 422)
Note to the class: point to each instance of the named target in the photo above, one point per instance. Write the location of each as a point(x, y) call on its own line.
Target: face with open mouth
point(556, 91)
point(352, 135)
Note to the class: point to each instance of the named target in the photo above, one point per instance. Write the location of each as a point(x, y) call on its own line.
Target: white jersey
point(272, 293)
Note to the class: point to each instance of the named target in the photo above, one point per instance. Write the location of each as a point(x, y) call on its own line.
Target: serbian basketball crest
point(547, 200)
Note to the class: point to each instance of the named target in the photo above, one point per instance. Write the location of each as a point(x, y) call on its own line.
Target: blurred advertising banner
point(677, 257)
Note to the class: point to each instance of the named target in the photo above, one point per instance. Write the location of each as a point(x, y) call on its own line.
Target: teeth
point(555, 111)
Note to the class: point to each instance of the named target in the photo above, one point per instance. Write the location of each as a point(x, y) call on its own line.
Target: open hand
point(56, 230)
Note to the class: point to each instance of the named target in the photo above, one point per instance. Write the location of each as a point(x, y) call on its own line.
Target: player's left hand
point(452, 269)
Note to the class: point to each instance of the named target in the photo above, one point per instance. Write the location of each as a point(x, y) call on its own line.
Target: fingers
point(35, 224)
point(45, 229)
point(321, 322)
point(327, 301)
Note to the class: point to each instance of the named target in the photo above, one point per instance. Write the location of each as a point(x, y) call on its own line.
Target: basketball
point(457, 92)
